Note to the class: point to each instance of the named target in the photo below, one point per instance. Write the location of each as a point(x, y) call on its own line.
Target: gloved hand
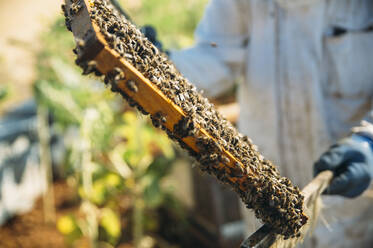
point(351, 161)
point(151, 34)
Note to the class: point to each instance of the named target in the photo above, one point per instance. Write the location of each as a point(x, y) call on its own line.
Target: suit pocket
point(349, 58)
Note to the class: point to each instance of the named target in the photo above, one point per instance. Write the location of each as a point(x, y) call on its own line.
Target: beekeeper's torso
point(307, 69)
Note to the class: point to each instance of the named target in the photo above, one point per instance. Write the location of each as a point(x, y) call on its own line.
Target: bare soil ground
point(30, 230)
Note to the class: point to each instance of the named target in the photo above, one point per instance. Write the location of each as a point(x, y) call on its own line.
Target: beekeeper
point(304, 70)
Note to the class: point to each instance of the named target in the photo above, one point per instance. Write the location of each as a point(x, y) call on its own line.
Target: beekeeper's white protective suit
point(308, 79)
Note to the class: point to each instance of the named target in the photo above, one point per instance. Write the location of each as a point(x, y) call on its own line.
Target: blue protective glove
point(351, 161)
point(151, 34)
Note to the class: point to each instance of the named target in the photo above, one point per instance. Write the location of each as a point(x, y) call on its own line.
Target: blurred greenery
point(113, 154)
point(5, 87)
point(69, 227)
point(4, 92)
point(175, 21)
point(110, 222)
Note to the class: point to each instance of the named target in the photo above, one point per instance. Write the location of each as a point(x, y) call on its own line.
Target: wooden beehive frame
point(147, 95)
point(264, 237)
point(151, 99)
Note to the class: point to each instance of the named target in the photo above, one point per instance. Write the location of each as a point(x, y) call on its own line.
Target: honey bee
point(89, 67)
point(63, 8)
point(68, 23)
point(161, 117)
point(213, 44)
point(224, 159)
point(75, 8)
point(156, 122)
point(131, 85)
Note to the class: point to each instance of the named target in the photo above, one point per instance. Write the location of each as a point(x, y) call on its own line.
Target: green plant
point(175, 21)
point(5, 89)
point(115, 159)
point(4, 92)
point(113, 154)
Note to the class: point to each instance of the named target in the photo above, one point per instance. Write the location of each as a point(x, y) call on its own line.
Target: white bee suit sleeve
point(216, 60)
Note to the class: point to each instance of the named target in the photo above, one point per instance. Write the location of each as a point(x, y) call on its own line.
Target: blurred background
point(78, 166)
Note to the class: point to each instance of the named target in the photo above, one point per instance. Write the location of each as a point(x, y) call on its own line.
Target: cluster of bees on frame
point(273, 198)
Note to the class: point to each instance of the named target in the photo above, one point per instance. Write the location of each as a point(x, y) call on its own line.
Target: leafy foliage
point(4, 92)
point(115, 159)
point(175, 21)
point(113, 153)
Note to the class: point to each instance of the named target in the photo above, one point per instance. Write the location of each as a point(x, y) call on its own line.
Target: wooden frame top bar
point(148, 96)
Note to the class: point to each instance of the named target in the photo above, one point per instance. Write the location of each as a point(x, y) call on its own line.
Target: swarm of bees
point(273, 198)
